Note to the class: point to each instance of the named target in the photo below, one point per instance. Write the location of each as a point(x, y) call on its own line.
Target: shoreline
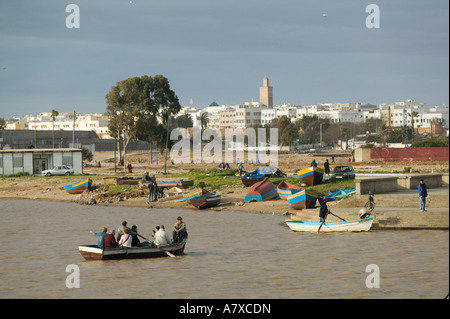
point(393, 211)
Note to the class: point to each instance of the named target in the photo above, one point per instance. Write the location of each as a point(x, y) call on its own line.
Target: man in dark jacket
point(423, 195)
point(323, 210)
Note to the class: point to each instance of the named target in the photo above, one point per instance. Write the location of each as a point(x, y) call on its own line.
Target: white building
point(34, 161)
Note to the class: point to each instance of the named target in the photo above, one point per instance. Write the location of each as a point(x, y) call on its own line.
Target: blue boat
point(336, 195)
point(206, 201)
point(252, 177)
point(302, 199)
point(261, 191)
point(78, 187)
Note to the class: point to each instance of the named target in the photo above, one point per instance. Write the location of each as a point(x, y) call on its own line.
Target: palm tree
point(413, 115)
point(55, 113)
point(204, 120)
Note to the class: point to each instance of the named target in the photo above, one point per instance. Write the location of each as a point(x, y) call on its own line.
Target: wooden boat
point(92, 252)
point(252, 177)
point(339, 194)
point(78, 187)
point(206, 201)
point(182, 197)
point(311, 175)
point(297, 200)
point(261, 191)
point(348, 226)
point(286, 189)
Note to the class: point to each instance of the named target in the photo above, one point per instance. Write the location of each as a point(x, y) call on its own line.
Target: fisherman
point(323, 212)
point(100, 237)
point(313, 163)
point(179, 231)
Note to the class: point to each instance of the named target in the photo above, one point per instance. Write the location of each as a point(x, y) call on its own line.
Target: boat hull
point(285, 190)
point(252, 178)
point(311, 176)
point(78, 187)
point(206, 201)
point(92, 252)
point(357, 225)
point(261, 191)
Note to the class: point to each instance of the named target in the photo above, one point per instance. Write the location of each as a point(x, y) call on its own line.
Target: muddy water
point(228, 255)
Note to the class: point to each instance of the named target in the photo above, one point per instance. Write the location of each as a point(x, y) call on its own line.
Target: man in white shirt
point(161, 237)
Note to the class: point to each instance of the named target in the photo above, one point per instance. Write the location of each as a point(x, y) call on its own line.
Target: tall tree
point(54, 114)
point(204, 120)
point(138, 107)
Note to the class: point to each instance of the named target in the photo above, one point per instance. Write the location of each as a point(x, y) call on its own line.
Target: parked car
point(58, 170)
point(344, 171)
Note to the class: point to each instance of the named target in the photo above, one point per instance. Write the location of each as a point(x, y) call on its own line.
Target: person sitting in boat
point(134, 237)
point(100, 237)
point(323, 212)
point(162, 238)
point(313, 163)
point(126, 239)
point(121, 230)
point(110, 241)
point(179, 231)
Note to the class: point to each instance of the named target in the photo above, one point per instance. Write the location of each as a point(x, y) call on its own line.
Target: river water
point(228, 255)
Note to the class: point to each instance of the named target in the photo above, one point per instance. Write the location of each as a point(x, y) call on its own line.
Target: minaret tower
point(266, 93)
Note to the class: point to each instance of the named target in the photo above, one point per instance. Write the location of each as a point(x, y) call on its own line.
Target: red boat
point(261, 191)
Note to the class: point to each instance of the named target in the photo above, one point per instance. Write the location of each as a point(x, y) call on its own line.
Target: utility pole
point(73, 132)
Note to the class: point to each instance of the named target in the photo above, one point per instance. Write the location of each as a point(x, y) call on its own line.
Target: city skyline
point(312, 52)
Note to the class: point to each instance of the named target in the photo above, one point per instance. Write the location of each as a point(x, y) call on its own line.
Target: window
point(67, 159)
point(18, 160)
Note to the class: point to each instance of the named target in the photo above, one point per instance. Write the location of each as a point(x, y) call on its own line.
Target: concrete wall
point(362, 155)
point(376, 185)
point(411, 181)
point(410, 153)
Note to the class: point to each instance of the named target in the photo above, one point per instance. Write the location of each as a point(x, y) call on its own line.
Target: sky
point(313, 51)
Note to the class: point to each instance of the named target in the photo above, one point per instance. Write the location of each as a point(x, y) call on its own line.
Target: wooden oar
point(337, 216)
point(165, 251)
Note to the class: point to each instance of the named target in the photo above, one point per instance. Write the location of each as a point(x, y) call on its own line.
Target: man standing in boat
point(179, 230)
point(323, 212)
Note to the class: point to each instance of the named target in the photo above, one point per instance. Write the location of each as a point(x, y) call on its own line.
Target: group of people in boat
point(128, 237)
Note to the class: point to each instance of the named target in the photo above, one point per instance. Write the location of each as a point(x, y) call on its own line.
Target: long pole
point(73, 133)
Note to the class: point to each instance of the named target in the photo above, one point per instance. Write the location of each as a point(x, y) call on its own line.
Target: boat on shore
point(302, 199)
point(357, 225)
point(207, 200)
point(311, 176)
point(93, 252)
point(78, 187)
point(252, 177)
point(261, 191)
point(286, 189)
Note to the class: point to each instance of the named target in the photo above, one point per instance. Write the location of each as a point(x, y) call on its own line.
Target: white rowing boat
point(344, 226)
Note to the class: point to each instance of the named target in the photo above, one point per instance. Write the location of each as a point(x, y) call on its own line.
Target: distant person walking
point(422, 195)
point(326, 165)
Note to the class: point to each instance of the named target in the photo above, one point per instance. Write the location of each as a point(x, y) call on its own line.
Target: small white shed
point(34, 161)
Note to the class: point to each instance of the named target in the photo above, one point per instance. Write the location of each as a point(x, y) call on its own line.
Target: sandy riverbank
point(51, 188)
